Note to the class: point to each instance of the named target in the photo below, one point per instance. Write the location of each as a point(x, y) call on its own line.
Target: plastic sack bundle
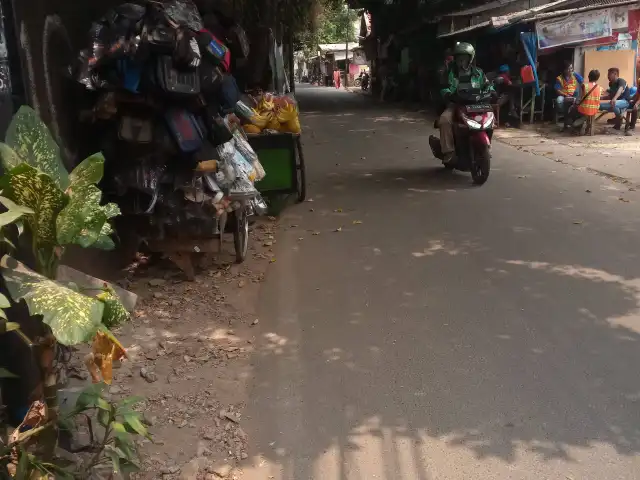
point(245, 176)
point(226, 174)
point(243, 146)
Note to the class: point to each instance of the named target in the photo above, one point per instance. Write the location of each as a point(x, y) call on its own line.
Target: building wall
point(49, 34)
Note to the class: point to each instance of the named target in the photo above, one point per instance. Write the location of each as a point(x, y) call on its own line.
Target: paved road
point(457, 332)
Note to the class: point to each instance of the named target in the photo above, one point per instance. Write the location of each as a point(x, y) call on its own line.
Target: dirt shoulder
point(189, 345)
point(610, 153)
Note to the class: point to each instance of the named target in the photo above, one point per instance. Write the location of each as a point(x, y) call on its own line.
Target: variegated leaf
point(114, 311)
point(105, 242)
point(33, 189)
point(31, 140)
point(9, 157)
point(111, 210)
point(82, 219)
point(88, 172)
point(74, 318)
point(13, 213)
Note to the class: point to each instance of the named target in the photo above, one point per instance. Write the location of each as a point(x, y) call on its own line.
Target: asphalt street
point(416, 327)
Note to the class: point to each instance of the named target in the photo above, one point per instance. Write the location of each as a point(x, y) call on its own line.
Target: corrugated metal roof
point(506, 19)
point(336, 47)
point(466, 29)
point(594, 3)
point(588, 5)
point(480, 9)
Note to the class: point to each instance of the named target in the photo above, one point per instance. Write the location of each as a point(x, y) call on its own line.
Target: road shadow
point(490, 337)
point(491, 393)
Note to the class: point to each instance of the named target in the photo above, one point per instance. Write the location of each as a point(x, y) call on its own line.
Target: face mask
point(462, 62)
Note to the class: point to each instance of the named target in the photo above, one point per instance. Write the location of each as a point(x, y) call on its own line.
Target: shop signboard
point(620, 18)
point(574, 28)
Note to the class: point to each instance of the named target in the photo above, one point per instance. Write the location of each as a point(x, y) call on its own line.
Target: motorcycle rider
point(460, 70)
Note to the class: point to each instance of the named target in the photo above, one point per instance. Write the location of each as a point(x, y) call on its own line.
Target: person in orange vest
point(567, 87)
point(589, 103)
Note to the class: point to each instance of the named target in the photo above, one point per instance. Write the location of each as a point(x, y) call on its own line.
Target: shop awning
point(466, 29)
point(537, 13)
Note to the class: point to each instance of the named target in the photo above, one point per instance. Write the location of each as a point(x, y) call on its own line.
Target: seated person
point(505, 74)
point(588, 104)
point(505, 95)
point(633, 103)
point(567, 87)
point(616, 100)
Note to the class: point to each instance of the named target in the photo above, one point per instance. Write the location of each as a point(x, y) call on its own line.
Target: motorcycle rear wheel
point(481, 165)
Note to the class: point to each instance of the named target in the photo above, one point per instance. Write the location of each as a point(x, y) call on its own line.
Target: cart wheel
point(301, 174)
point(240, 234)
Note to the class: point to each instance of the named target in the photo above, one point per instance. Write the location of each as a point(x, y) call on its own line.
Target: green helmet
point(463, 48)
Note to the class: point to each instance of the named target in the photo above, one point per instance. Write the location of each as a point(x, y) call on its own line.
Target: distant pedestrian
point(336, 78)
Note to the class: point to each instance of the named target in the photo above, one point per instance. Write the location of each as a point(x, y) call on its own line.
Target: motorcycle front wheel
point(481, 165)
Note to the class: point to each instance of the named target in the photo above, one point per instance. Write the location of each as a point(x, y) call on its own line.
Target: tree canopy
point(331, 22)
point(335, 24)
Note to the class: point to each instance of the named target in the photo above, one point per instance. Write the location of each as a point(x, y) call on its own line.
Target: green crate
point(278, 154)
point(280, 171)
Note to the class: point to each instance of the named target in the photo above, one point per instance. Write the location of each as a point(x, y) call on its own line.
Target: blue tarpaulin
point(530, 44)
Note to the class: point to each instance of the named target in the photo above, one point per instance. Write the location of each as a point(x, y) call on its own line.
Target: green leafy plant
point(115, 446)
point(54, 209)
point(58, 209)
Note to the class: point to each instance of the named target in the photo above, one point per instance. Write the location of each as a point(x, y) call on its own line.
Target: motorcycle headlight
point(471, 123)
point(488, 122)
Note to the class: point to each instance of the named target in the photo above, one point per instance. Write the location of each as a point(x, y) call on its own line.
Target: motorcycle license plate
point(479, 108)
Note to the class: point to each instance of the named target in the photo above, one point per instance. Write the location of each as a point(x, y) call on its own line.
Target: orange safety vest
point(568, 87)
point(591, 103)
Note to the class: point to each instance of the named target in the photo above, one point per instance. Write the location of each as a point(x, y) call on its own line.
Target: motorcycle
point(365, 82)
point(472, 132)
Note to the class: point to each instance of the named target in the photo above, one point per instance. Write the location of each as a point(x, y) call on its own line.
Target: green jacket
point(478, 80)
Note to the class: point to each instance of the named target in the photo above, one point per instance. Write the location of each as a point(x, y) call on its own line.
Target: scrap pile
point(164, 107)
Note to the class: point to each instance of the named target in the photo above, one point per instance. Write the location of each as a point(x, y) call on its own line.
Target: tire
point(357, 82)
point(449, 166)
point(481, 165)
point(240, 234)
point(301, 172)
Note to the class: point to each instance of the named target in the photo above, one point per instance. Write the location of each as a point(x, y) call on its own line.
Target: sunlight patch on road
point(631, 287)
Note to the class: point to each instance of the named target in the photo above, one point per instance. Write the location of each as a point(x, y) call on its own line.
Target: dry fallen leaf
point(339, 229)
point(315, 233)
point(35, 417)
point(338, 210)
point(578, 222)
point(623, 200)
point(105, 350)
point(588, 191)
point(357, 222)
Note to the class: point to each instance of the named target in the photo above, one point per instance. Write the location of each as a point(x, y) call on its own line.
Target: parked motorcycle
point(365, 82)
point(472, 132)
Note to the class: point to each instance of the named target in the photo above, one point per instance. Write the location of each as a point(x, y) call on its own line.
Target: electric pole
point(346, 56)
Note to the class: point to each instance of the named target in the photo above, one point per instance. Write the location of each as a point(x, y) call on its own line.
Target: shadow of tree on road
point(373, 356)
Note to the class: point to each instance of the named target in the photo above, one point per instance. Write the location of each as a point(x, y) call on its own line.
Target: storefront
point(594, 38)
